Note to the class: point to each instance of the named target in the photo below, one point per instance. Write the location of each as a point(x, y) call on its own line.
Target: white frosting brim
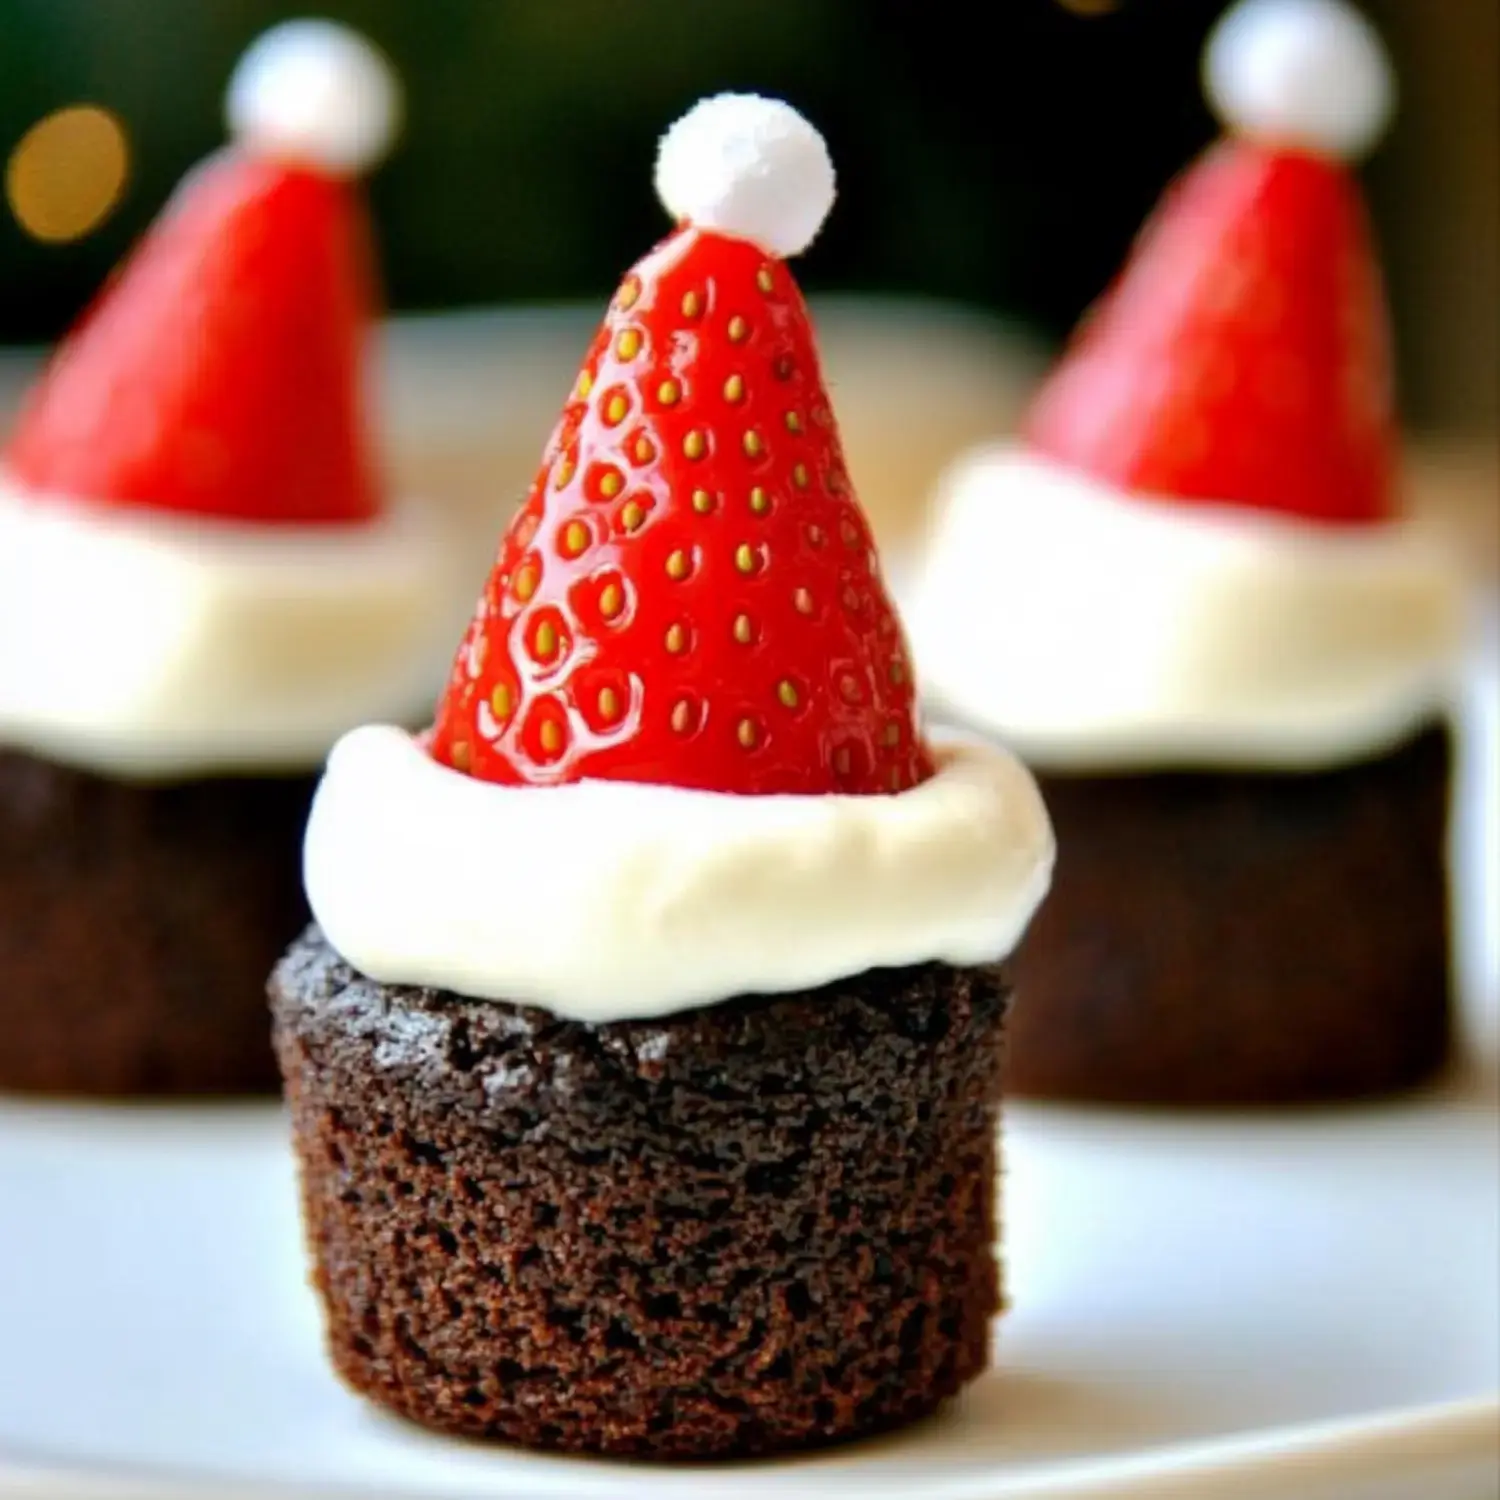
point(151, 645)
point(607, 900)
point(1093, 629)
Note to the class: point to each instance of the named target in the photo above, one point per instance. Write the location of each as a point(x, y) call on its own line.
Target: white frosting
point(315, 92)
point(1300, 72)
point(749, 167)
point(605, 900)
point(154, 646)
point(1092, 629)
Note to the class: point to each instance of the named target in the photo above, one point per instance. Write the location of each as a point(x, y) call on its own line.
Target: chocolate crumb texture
point(757, 1226)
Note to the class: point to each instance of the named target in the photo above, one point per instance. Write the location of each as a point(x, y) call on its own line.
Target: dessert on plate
point(201, 586)
point(644, 1062)
point(1189, 597)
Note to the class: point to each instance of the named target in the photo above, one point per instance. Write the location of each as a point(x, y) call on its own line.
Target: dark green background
point(1008, 170)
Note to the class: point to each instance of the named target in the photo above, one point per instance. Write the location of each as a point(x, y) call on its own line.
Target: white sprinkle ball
point(317, 93)
point(1309, 73)
point(750, 167)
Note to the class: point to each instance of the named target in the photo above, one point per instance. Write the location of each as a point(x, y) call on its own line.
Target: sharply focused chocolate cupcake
point(1189, 599)
point(200, 589)
point(645, 1068)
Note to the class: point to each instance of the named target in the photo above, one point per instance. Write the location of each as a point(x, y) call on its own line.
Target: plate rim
point(1339, 1450)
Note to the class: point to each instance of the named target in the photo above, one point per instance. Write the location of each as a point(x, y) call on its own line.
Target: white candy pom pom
point(749, 167)
point(317, 93)
point(1309, 73)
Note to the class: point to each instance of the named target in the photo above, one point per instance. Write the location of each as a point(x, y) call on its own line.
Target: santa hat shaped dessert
point(219, 373)
point(690, 594)
point(1242, 356)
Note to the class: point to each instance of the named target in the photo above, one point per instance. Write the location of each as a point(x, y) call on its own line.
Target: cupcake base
point(759, 1226)
point(1241, 938)
point(136, 926)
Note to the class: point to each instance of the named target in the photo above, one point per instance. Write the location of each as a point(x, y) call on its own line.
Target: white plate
point(1310, 1295)
point(1299, 1306)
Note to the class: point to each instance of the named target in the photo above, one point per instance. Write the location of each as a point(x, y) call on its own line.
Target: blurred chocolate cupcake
point(201, 587)
point(1189, 597)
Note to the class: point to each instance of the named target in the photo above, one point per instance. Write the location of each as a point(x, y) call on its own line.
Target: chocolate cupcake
point(748, 1227)
point(1297, 930)
point(200, 589)
point(1225, 650)
point(644, 1066)
point(132, 915)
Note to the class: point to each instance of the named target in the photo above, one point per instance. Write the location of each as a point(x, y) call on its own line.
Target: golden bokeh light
point(67, 173)
point(1090, 7)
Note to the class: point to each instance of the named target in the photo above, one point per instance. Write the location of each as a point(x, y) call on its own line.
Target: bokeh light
point(67, 173)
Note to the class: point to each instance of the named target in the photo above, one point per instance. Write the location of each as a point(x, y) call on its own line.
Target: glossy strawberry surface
point(1242, 357)
point(220, 371)
point(690, 594)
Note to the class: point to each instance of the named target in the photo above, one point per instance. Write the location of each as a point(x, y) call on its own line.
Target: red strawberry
point(220, 372)
point(1242, 356)
point(690, 594)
